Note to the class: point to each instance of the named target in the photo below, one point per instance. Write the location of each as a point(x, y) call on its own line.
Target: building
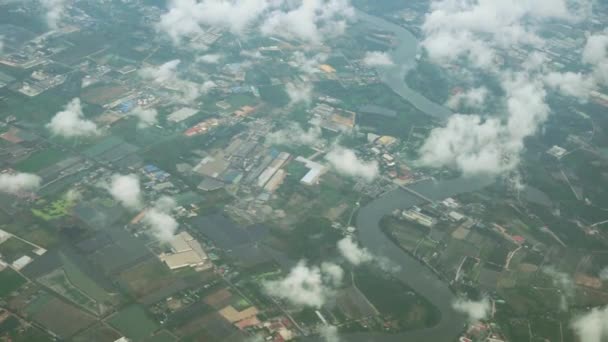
point(315, 172)
point(181, 114)
point(186, 252)
point(418, 217)
point(557, 151)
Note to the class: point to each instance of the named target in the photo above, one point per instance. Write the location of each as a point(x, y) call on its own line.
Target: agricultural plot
point(99, 332)
point(14, 248)
point(58, 316)
point(133, 322)
point(41, 159)
point(58, 281)
point(9, 282)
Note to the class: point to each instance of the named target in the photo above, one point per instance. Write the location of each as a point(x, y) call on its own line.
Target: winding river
point(404, 57)
point(412, 272)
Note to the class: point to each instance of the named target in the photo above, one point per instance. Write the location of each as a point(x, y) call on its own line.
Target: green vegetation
point(41, 159)
point(133, 322)
point(274, 95)
point(10, 281)
point(83, 282)
point(14, 248)
point(405, 308)
point(59, 282)
point(56, 209)
point(428, 79)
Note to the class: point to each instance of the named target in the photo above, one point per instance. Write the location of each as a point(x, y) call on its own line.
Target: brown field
point(103, 94)
point(99, 332)
point(62, 318)
point(218, 299)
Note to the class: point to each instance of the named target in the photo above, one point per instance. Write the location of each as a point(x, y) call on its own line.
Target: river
point(404, 57)
point(412, 272)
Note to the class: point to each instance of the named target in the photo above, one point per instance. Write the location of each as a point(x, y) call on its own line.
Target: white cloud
point(472, 98)
point(309, 20)
point(491, 146)
point(306, 64)
point(1, 43)
point(564, 283)
point(147, 117)
point(332, 273)
point(301, 92)
point(209, 58)
point(592, 326)
point(186, 17)
point(305, 285)
point(353, 253)
point(159, 221)
point(346, 162)
point(570, 84)
point(126, 190)
point(55, 11)
point(329, 333)
point(166, 72)
point(14, 183)
point(71, 122)
point(475, 310)
point(471, 29)
point(377, 58)
point(167, 75)
point(293, 134)
point(595, 53)
point(604, 274)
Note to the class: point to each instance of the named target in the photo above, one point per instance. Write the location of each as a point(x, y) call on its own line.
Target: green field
point(55, 210)
point(41, 159)
point(162, 336)
point(83, 282)
point(59, 282)
point(13, 249)
point(133, 322)
point(10, 281)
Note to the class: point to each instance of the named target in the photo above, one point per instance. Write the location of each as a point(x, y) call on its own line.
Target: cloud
point(308, 20)
point(209, 58)
point(1, 43)
point(147, 117)
point(311, 20)
point(475, 145)
point(570, 84)
point(294, 135)
point(126, 190)
point(592, 327)
point(329, 333)
point(377, 58)
point(301, 92)
point(475, 310)
point(159, 221)
point(565, 284)
point(332, 273)
point(305, 285)
point(307, 64)
point(346, 162)
point(167, 76)
point(353, 253)
point(604, 274)
point(14, 183)
point(71, 122)
point(595, 53)
point(473, 29)
point(55, 11)
point(472, 98)
point(186, 17)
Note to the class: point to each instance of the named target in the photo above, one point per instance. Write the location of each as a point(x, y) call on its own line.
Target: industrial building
point(315, 172)
point(186, 251)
